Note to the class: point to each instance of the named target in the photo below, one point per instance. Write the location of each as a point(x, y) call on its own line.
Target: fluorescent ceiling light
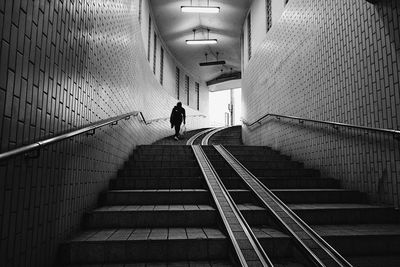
point(211, 63)
point(201, 41)
point(200, 9)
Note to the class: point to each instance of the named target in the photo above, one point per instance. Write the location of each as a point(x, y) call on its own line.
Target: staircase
point(160, 212)
point(157, 210)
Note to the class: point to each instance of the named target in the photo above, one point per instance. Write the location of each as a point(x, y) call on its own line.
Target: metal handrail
point(338, 258)
point(89, 130)
point(396, 133)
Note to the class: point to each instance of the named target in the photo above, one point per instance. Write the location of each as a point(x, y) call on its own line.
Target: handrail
point(332, 254)
point(396, 133)
point(89, 130)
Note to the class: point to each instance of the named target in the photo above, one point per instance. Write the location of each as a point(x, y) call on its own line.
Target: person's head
point(179, 104)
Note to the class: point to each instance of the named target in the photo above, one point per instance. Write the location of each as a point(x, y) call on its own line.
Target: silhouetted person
point(177, 116)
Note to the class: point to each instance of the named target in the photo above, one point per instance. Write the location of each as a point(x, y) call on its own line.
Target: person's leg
point(177, 129)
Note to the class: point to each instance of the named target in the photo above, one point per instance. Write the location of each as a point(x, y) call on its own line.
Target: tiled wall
point(65, 64)
point(170, 64)
point(337, 61)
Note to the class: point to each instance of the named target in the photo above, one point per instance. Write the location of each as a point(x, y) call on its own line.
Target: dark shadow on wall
point(389, 12)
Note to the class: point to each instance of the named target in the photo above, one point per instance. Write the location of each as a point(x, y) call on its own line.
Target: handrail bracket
point(34, 154)
point(91, 133)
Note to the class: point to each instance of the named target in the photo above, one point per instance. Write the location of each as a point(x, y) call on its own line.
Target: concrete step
point(362, 239)
point(229, 172)
point(156, 157)
point(157, 197)
point(338, 213)
point(349, 240)
point(251, 157)
point(160, 164)
point(264, 164)
point(286, 183)
point(158, 172)
point(146, 244)
point(141, 216)
point(303, 196)
point(166, 150)
point(247, 147)
point(216, 263)
point(158, 183)
point(320, 214)
point(373, 261)
point(276, 243)
point(163, 147)
point(286, 262)
point(246, 152)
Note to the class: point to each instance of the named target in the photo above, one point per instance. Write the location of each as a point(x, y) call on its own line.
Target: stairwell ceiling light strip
point(201, 41)
point(200, 9)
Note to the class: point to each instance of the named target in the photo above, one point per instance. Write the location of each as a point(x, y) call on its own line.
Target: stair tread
point(316, 206)
point(357, 229)
point(156, 190)
point(299, 190)
point(335, 230)
point(312, 190)
point(373, 261)
point(141, 234)
point(155, 208)
point(161, 264)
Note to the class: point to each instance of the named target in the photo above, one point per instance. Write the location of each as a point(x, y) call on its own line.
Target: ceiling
point(176, 27)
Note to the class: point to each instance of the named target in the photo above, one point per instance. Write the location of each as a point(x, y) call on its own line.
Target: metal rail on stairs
point(315, 247)
point(335, 125)
point(88, 130)
point(248, 250)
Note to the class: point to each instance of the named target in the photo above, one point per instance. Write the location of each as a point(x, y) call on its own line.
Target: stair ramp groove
point(192, 139)
point(246, 245)
point(319, 251)
point(206, 138)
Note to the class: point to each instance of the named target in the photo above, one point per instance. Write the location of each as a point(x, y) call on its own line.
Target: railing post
point(91, 133)
point(28, 155)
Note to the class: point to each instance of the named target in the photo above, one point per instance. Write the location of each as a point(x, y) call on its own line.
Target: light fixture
point(201, 41)
point(195, 41)
point(200, 9)
point(212, 63)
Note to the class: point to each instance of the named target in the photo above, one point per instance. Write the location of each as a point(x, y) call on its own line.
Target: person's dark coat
point(178, 115)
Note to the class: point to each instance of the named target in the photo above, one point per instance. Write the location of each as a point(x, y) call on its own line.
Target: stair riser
point(261, 153)
point(321, 217)
point(263, 165)
point(252, 157)
point(158, 198)
point(288, 183)
point(164, 152)
point(161, 158)
point(146, 219)
point(150, 250)
point(306, 197)
point(347, 216)
point(281, 247)
point(365, 245)
point(321, 197)
point(159, 183)
point(272, 173)
point(160, 172)
point(160, 164)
